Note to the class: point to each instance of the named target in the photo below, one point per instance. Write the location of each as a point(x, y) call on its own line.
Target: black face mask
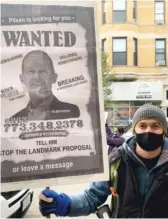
point(149, 141)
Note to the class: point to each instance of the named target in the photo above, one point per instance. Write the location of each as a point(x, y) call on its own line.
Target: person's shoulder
point(116, 154)
point(20, 114)
point(74, 109)
point(70, 105)
point(65, 106)
point(64, 110)
point(122, 138)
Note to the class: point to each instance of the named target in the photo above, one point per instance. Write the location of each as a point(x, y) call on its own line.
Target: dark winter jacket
point(113, 140)
point(134, 181)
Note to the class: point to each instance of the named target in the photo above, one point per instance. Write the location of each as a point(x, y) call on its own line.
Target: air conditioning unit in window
point(159, 22)
point(160, 63)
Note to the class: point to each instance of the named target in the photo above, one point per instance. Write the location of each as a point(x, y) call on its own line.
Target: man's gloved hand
point(59, 205)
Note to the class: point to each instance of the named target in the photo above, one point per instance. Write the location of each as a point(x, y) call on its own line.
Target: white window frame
point(160, 14)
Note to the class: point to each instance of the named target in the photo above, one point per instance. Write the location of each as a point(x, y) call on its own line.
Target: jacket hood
point(130, 144)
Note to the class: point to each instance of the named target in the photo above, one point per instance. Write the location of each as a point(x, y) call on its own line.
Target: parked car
point(14, 204)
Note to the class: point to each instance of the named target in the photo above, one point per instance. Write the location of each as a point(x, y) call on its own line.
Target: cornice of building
point(139, 76)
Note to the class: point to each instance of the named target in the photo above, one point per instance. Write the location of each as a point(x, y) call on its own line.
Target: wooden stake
point(48, 216)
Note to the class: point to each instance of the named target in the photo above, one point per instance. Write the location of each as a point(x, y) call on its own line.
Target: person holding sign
point(114, 140)
point(142, 168)
point(38, 75)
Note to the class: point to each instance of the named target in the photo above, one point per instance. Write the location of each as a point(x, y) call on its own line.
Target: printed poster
point(52, 124)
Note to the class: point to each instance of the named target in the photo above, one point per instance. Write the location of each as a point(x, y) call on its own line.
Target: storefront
point(128, 97)
point(165, 100)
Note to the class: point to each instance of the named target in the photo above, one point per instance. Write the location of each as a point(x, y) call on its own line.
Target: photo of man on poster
point(38, 75)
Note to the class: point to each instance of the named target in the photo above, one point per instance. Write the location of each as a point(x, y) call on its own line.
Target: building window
point(167, 95)
point(119, 11)
point(160, 52)
point(135, 52)
point(103, 45)
point(134, 9)
point(103, 11)
point(119, 51)
point(159, 12)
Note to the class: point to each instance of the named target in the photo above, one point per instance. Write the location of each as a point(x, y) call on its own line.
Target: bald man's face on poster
point(38, 74)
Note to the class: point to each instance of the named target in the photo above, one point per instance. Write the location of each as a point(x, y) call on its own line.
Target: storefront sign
point(144, 91)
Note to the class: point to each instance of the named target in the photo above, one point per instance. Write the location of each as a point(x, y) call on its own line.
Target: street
point(77, 188)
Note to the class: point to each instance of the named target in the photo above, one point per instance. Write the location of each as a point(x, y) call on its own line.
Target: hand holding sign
point(53, 203)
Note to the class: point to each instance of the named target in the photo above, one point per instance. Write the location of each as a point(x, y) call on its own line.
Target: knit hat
point(149, 111)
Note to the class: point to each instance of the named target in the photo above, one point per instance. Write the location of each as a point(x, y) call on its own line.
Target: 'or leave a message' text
point(41, 167)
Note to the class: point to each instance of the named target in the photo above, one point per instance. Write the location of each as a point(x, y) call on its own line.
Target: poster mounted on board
point(52, 119)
